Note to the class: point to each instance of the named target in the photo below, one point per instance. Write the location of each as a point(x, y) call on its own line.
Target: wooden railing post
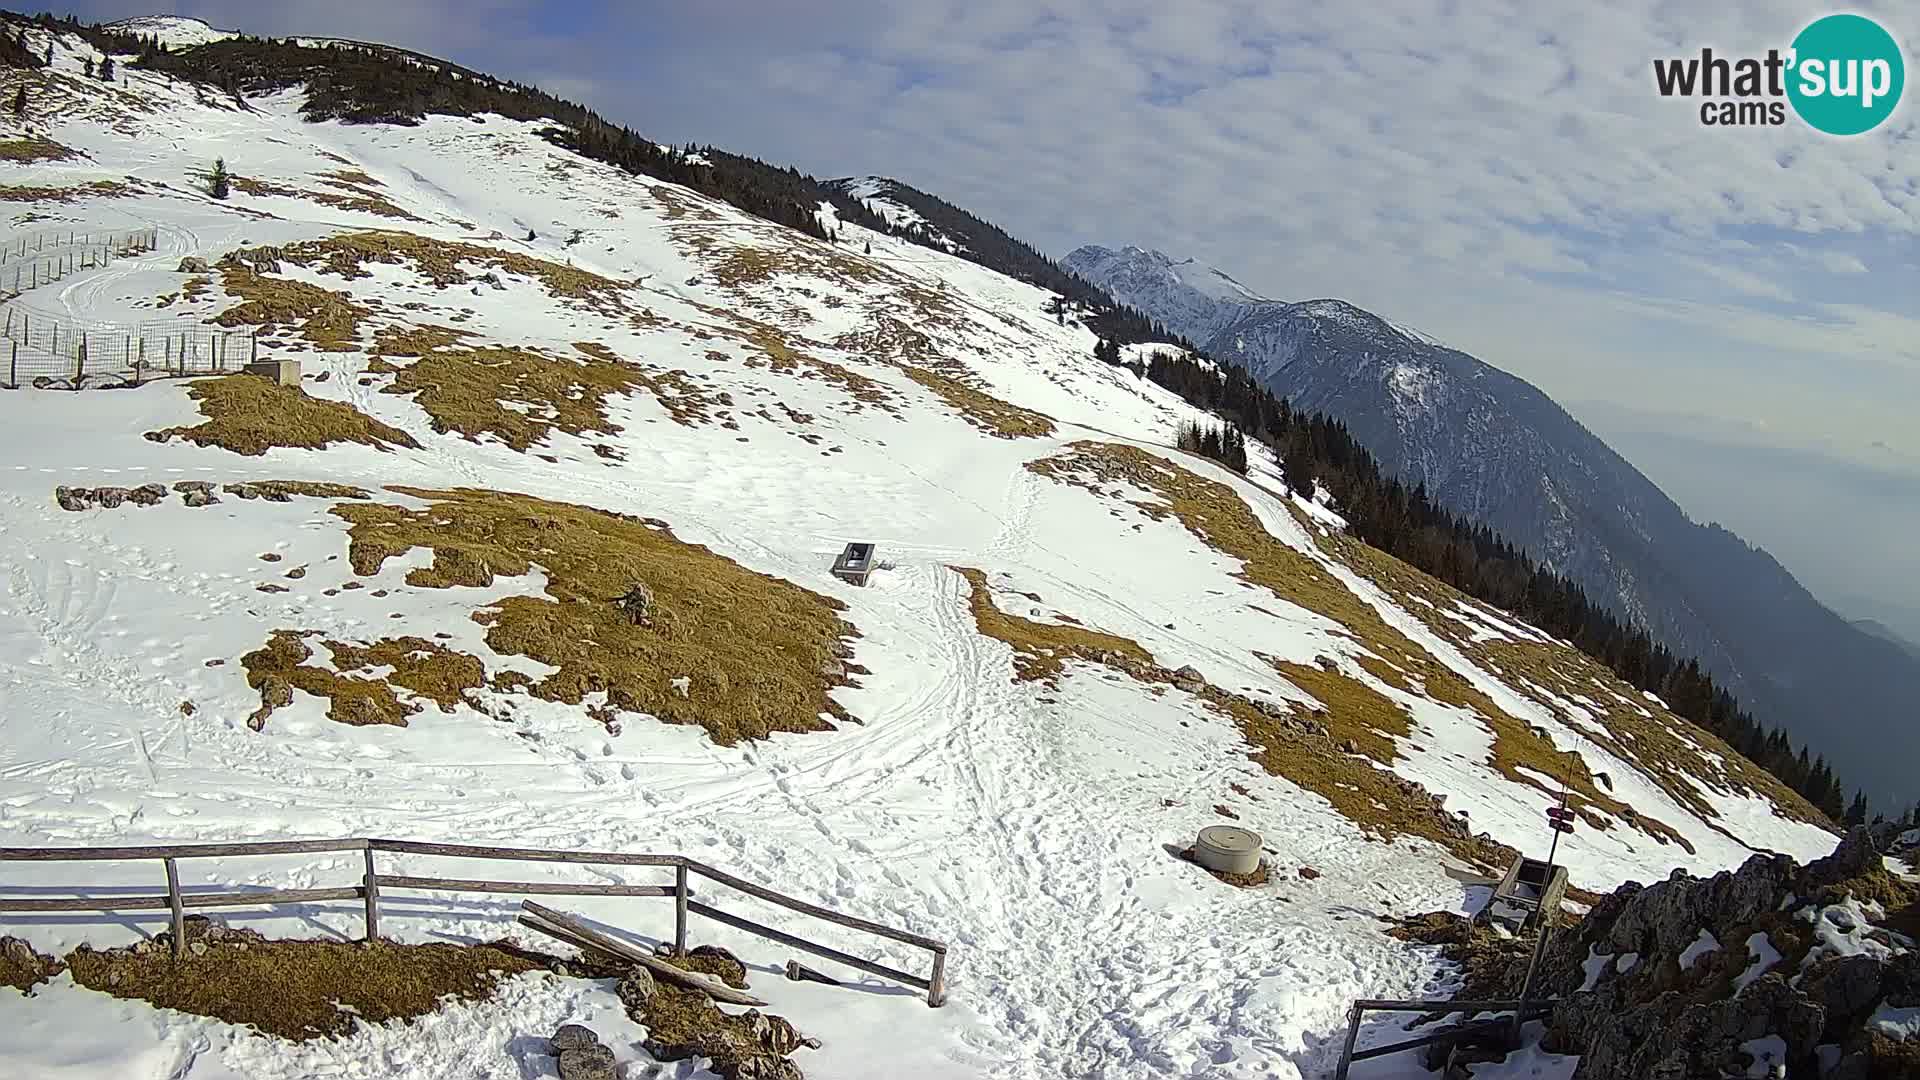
point(937, 982)
point(680, 909)
point(373, 898)
point(179, 910)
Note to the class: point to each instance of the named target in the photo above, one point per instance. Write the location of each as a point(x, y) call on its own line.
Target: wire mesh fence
point(27, 262)
point(31, 245)
point(50, 350)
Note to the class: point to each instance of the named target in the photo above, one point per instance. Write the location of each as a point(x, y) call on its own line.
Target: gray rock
point(1845, 988)
point(767, 1067)
point(637, 988)
point(1188, 678)
point(110, 496)
point(276, 691)
point(199, 498)
point(148, 494)
point(193, 485)
point(193, 265)
point(587, 1063)
point(198, 948)
point(73, 498)
point(574, 1037)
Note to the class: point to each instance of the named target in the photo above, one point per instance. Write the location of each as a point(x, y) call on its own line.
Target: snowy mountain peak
point(174, 31)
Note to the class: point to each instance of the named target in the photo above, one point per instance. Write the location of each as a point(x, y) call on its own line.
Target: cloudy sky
point(1734, 308)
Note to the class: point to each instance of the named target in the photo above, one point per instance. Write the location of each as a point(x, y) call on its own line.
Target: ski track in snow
point(1024, 824)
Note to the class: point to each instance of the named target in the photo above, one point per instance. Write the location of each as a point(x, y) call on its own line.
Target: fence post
point(680, 909)
point(14, 378)
point(937, 982)
point(179, 914)
point(80, 361)
point(373, 898)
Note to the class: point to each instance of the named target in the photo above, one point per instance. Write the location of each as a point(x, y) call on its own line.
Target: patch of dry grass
point(683, 1023)
point(330, 320)
point(447, 263)
point(689, 403)
point(302, 990)
point(37, 148)
point(23, 967)
point(757, 654)
point(892, 341)
point(1040, 650)
point(98, 189)
point(474, 391)
point(426, 668)
point(359, 199)
point(250, 415)
point(1217, 516)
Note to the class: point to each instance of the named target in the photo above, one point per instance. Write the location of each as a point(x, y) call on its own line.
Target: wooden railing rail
point(372, 884)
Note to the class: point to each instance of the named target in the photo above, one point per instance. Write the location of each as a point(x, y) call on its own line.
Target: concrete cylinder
point(1228, 849)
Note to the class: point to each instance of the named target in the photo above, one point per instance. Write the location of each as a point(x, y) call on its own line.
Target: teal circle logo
point(1846, 76)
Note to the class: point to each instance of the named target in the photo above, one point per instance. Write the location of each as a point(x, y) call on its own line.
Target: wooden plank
point(192, 900)
point(590, 940)
point(815, 910)
point(785, 938)
point(680, 909)
point(469, 851)
point(177, 851)
point(370, 886)
point(519, 888)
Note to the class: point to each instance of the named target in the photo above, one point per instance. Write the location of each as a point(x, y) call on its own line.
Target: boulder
point(1846, 987)
point(148, 494)
point(1188, 678)
point(110, 497)
point(73, 498)
point(193, 485)
point(574, 1037)
point(587, 1063)
point(637, 988)
point(637, 602)
point(193, 265)
point(199, 498)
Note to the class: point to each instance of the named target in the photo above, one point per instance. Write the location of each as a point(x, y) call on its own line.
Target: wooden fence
point(372, 883)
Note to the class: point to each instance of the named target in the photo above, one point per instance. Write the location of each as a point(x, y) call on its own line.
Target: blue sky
point(1501, 176)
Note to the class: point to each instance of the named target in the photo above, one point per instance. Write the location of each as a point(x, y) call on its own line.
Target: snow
point(174, 31)
point(1701, 946)
point(1595, 965)
point(1900, 1024)
point(1760, 947)
point(1845, 929)
point(1627, 962)
point(1006, 819)
point(1768, 1053)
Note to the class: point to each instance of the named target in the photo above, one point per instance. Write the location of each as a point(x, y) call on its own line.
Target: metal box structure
point(1529, 888)
point(855, 564)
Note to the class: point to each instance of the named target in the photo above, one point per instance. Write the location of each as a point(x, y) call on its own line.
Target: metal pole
point(179, 912)
point(680, 909)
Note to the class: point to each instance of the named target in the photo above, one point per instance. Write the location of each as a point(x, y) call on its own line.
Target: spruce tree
point(219, 184)
point(89, 67)
point(106, 69)
point(20, 101)
point(1857, 811)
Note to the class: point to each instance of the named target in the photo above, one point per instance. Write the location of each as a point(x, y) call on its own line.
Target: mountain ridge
point(1490, 445)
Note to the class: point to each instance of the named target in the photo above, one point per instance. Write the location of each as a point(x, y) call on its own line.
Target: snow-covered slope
point(1493, 447)
point(173, 31)
point(1005, 773)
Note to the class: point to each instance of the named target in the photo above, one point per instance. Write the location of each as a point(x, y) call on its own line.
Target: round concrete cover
point(1228, 849)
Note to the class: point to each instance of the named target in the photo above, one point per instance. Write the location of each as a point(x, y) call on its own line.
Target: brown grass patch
point(428, 669)
point(328, 319)
point(23, 967)
point(469, 391)
point(249, 415)
point(1040, 650)
point(28, 151)
point(1221, 519)
point(446, 263)
point(1356, 712)
point(891, 341)
point(99, 189)
point(678, 392)
point(683, 1023)
point(359, 199)
point(758, 654)
point(302, 990)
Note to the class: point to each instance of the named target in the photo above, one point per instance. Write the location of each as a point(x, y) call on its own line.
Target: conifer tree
point(20, 101)
point(89, 67)
point(1857, 810)
point(106, 69)
point(219, 184)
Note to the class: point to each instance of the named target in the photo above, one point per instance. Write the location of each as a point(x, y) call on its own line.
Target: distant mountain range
point(1495, 448)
